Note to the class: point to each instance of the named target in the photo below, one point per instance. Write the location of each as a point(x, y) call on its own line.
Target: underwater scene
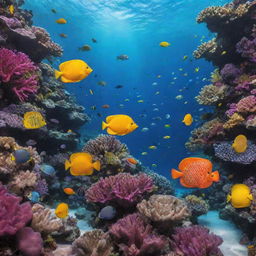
point(127, 128)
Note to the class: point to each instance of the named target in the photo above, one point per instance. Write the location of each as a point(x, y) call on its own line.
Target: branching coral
point(196, 241)
point(13, 215)
point(164, 208)
point(225, 152)
point(136, 238)
point(197, 205)
point(211, 94)
point(206, 49)
point(205, 135)
point(44, 221)
point(234, 120)
point(93, 243)
point(18, 73)
point(123, 189)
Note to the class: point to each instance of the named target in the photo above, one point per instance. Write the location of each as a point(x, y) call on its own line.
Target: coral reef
point(197, 205)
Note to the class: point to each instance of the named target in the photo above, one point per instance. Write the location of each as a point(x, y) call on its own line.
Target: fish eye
point(87, 67)
point(208, 172)
point(132, 123)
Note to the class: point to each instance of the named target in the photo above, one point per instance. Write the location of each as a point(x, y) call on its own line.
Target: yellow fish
point(73, 71)
point(140, 101)
point(240, 144)
point(61, 210)
point(167, 125)
point(69, 131)
point(185, 57)
point(11, 9)
point(33, 120)
point(224, 52)
point(119, 125)
point(61, 21)
point(188, 119)
point(127, 100)
point(144, 153)
point(180, 69)
point(81, 164)
point(154, 165)
point(167, 137)
point(157, 93)
point(164, 44)
point(91, 91)
point(197, 69)
point(240, 196)
point(152, 147)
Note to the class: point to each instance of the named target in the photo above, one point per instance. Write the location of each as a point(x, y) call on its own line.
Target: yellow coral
point(234, 120)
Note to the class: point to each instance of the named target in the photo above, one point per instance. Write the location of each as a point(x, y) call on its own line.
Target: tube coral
point(18, 73)
point(124, 189)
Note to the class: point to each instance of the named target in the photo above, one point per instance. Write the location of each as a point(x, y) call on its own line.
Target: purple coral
point(247, 104)
point(124, 189)
point(13, 215)
point(247, 48)
point(18, 72)
point(10, 120)
point(30, 243)
point(225, 152)
point(42, 187)
point(232, 109)
point(229, 72)
point(196, 241)
point(135, 237)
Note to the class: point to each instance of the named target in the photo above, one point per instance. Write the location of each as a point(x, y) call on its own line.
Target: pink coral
point(125, 189)
point(18, 72)
point(247, 104)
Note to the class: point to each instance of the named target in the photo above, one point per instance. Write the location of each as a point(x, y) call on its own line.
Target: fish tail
point(57, 74)
point(176, 174)
point(67, 165)
point(228, 198)
point(96, 165)
point(104, 125)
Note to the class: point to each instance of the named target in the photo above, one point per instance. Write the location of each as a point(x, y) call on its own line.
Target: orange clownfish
point(195, 172)
point(69, 191)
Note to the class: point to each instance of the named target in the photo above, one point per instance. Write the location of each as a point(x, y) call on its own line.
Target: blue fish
point(21, 156)
point(34, 197)
point(107, 213)
point(47, 169)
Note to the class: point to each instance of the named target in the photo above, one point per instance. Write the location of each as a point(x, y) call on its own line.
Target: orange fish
point(195, 172)
point(105, 106)
point(131, 160)
point(69, 191)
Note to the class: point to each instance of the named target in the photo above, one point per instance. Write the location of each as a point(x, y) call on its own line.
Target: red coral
point(18, 72)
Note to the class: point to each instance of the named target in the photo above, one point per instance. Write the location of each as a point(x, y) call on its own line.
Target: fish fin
point(57, 74)
point(176, 174)
point(104, 125)
point(185, 185)
point(111, 132)
point(65, 80)
point(96, 165)
point(67, 165)
point(216, 176)
point(109, 118)
point(12, 157)
point(250, 197)
point(228, 198)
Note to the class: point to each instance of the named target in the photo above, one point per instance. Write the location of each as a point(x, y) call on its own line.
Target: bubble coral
point(18, 73)
point(123, 189)
point(134, 237)
point(93, 243)
point(196, 241)
point(13, 214)
point(164, 208)
point(197, 205)
point(211, 94)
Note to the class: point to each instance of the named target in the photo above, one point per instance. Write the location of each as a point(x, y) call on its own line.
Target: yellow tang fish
point(140, 101)
point(185, 57)
point(167, 125)
point(197, 69)
point(33, 120)
point(167, 137)
point(11, 9)
point(188, 119)
point(119, 125)
point(240, 144)
point(224, 52)
point(73, 71)
point(240, 196)
point(152, 147)
point(164, 44)
point(61, 21)
point(61, 210)
point(81, 164)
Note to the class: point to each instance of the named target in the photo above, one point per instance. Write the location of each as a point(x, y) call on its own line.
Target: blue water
point(135, 28)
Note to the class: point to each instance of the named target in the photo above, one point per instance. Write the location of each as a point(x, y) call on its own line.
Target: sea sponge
point(247, 104)
point(93, 243)
point(211, 94)
point(234, 120)
point(164, 208)
point(44, 221)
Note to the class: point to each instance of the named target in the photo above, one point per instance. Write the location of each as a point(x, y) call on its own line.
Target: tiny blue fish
point(47, 169)
point(107, 213)
point(20, 156)
point(34, 197)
